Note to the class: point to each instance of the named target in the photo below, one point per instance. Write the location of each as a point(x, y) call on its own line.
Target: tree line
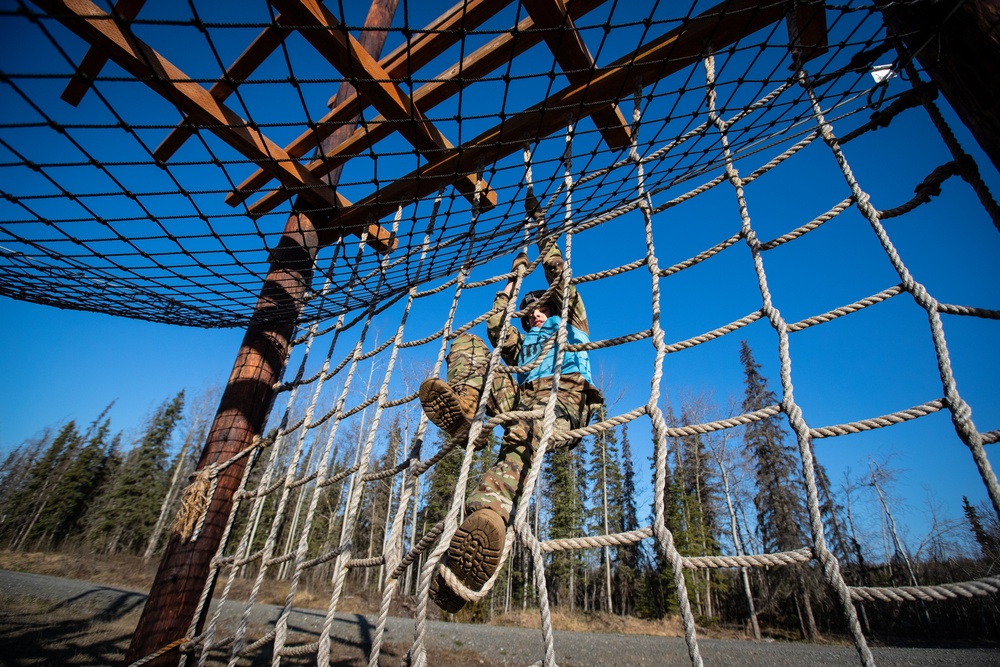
point(82, 487)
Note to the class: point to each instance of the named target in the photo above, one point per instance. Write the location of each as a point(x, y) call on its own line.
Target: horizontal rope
point(879, 422)
point(939, 593)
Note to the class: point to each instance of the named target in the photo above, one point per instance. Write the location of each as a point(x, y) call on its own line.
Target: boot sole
point(473, 555)
point(476, 548)
point(441, 406)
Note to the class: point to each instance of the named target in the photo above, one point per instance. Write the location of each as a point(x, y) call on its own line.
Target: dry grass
point(610, 624)
point(132, 572)
point(122, 571)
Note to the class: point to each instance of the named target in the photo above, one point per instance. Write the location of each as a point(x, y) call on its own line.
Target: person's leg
point(451, 404)
point(477, 546)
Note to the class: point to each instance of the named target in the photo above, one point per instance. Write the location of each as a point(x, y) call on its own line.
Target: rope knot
point(194, 503)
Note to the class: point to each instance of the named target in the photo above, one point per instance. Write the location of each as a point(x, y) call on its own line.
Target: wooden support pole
point(958, 45)
point(186, 565)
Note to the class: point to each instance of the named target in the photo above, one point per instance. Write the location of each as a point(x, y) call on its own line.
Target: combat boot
point(473, 556)
point(449, 407)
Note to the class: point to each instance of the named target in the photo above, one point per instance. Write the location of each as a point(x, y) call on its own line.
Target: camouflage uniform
point(577, 397)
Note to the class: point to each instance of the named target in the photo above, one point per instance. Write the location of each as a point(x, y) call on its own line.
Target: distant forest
point(84, 488)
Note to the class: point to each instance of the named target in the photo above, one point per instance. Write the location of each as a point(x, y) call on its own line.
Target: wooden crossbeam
point(139, 59)
point(93, 61)
point(718, 28)
point(810, 24)
point(420, 50)
point(252, 58)
point(440, 34)
point(484, 60)
point(431, 42)
point(573, 56)
point(324, 32)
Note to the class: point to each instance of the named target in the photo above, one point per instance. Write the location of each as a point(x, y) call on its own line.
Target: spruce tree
point(628, 556)
point(988, 543)
point(30, 502)
point(62, 518)
point(604, 482)
point(133, 504)
point(443, 478)
point(781, 513)
point(561, 470)
point(14, 475)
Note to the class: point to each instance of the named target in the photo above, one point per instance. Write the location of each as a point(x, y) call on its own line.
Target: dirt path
point(495, 645)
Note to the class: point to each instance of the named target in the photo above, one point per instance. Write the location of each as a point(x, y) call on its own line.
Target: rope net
point(96, 218)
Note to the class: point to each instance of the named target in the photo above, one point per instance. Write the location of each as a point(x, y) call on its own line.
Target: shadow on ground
point(95, 629)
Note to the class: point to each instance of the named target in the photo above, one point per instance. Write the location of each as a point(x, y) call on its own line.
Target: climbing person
point(477, 546)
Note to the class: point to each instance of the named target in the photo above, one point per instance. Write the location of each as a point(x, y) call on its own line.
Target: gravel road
point(516, 646)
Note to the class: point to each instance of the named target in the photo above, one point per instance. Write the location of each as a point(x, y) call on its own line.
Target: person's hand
point(520, 262)
point(532, 207)
point(536, 214)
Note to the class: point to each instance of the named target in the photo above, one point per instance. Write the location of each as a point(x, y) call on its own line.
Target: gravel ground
point(517, 646)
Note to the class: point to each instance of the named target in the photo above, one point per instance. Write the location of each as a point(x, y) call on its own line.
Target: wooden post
point(958, 45)
point(185, 566)
point(246, 401)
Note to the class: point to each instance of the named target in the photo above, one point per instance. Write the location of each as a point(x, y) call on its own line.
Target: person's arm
point(553, 263)
point(511, 349)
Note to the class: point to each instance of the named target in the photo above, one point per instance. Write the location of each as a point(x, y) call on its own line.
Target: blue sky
point(64, 364)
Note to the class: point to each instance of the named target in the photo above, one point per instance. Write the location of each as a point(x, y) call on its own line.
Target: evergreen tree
point(113, 462)
point(701, 507)
point(133, 504)
point(658, 580)
point(561, 471)
point(603, 485)
point(988, 543)
point(780, 513)
point(778, 500)
point(628, 556)
point(84, 475)
point(28, 504)
point(832, 513)
point(443, 479)
point(14, 475)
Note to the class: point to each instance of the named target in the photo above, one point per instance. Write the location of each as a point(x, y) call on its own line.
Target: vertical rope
point(961, 413)
point(828, 561)
point(660, 530)
point(408, 487)
point(357, 487)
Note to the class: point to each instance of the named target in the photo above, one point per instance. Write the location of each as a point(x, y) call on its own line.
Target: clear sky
point(61, 365)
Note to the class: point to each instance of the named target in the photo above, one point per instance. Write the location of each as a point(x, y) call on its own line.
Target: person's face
point(540, 313)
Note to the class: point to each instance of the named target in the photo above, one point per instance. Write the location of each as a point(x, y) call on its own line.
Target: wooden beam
point(185, 566)
point(435, 38)
point(325, 33)
point(137, 58)
point(810, 25)
point(379, 16)
point(718, 28)
point(94, 60)
point(484, 60)
point(959, 48)
point(573, 56)
point(252, 58)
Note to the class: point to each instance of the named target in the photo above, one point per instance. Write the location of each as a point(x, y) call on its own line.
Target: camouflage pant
point(501, 486)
